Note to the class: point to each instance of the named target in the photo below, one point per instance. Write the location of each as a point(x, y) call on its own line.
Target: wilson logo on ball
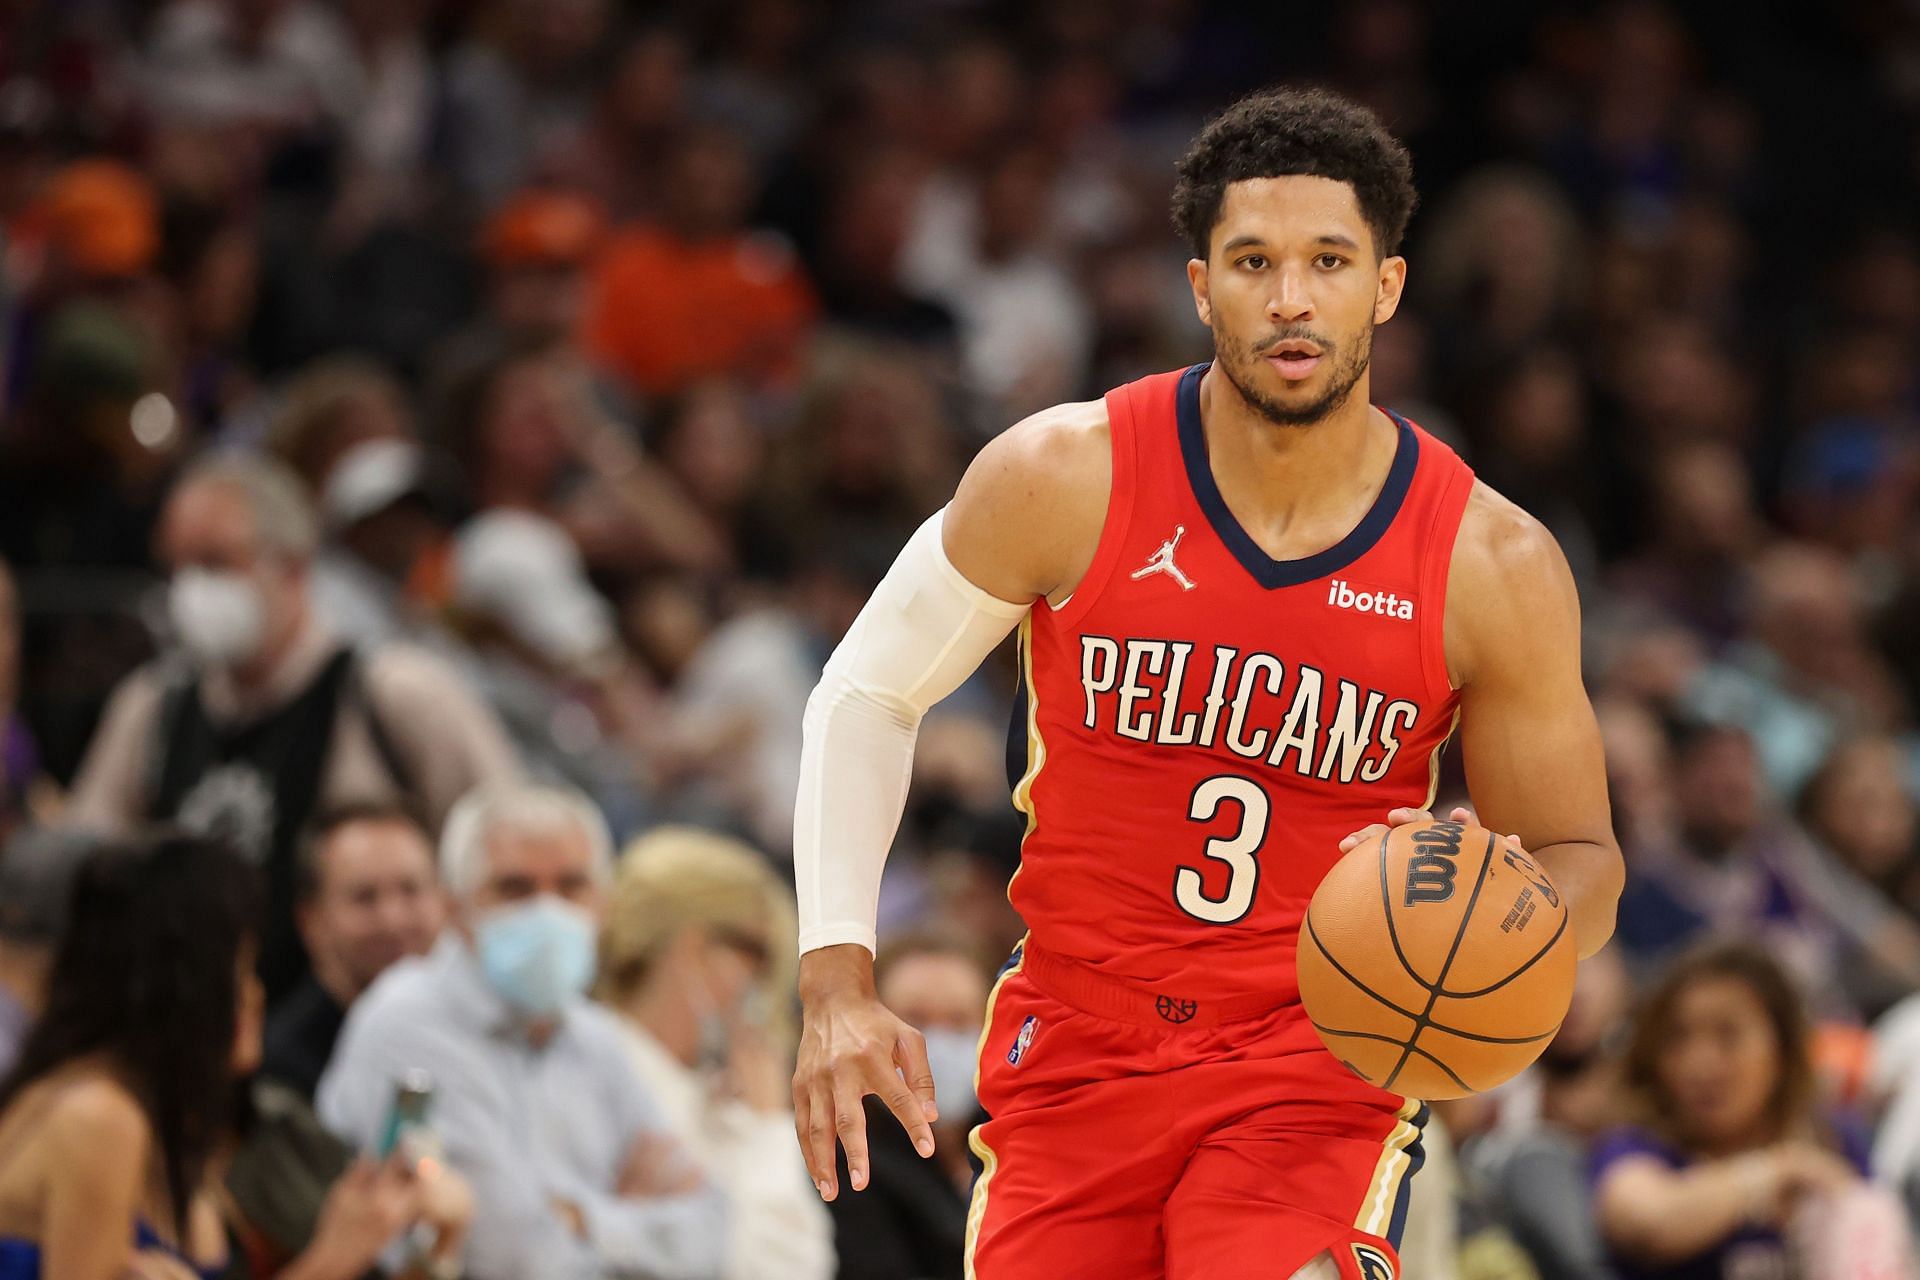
point(1434, 865)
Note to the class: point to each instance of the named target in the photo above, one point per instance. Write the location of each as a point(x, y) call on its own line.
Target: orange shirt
point(666, 311)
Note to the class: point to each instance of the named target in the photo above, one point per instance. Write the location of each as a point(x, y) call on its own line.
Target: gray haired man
point(260, 717)
point(535, 1098)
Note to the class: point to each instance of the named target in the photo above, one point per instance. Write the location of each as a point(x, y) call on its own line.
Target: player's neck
point(1286, 484)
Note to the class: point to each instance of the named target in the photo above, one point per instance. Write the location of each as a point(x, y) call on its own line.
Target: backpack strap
point(180, 686)
point(392, 759)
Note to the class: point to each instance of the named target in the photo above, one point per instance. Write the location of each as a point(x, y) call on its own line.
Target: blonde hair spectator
point(677, 878)
point(698, 956)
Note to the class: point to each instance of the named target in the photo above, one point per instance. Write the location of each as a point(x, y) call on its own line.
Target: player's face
point(1721, 1063)
point(1292, 287)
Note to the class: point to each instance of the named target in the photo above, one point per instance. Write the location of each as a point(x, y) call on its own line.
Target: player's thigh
point(1078, 1156)
point(1260, 1200)
point(1323, 1267)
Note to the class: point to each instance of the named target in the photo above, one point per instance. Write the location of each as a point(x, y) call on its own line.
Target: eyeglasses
point(756, 949)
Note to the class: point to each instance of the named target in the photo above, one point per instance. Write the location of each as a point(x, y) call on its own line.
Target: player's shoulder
point(1063, 441)
point(1054, 457)
point(1509, 589)
point(1501, 548)
point(1029, 511)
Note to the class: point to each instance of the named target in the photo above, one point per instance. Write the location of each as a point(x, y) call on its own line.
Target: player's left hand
point(1401, 817)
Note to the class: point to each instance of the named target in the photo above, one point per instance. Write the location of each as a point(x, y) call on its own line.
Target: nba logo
point(1373, 1263)
point(1025, 1040)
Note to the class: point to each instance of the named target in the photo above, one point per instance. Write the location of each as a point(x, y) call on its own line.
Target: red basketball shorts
point(1136, 1136)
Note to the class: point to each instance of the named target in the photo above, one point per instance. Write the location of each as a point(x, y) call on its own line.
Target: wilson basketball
point(1436, 961)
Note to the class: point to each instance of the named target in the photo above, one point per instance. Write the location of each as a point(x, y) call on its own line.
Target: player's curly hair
point(1278, 132)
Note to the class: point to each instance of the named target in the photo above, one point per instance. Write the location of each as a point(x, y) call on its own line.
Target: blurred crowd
point(441, 440)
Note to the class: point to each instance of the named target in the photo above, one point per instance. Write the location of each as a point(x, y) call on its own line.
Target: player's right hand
point(1399, 818)
point(851, 1045)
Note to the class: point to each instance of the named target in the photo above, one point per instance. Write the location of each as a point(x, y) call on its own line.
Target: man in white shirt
point(573, 1171)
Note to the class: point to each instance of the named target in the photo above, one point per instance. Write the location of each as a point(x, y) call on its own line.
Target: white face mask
point(952, 1055)
point(220, 618)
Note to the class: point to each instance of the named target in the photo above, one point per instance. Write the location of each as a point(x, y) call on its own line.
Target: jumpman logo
point(1162, 561)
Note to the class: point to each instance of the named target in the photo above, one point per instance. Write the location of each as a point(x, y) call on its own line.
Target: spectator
point(1731, 1149)
point(1809, 675)
point(911, 1221)
point(96, 222)
point(538, 249)
point(119, 1109)
point(1739, 868)
point(110, 1116)
point(1504, 259)
point(387, 99)
point(295, 1205)
point(530, 433)
point(709, 440)
point(868, 219)
point(345, 427)
point(366, 896)
point(334, 406)
point(276, 68)
point(871, 451)
point(381, 574)
point(1895, 1081)
point(697, 960)
point(737, 707)
point(269, 719)
point(515, 89)
point(1025, 335)
point(547, 656)
point(1533, 1161)
point(36, 878)
point(1705, 530)
point(573, 1171)
point(619, 153)
point(1860, 806)
point(696, 294)
point(84, 345)
point(1538, 442)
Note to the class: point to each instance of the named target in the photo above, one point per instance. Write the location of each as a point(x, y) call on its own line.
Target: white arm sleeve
point(924, 631)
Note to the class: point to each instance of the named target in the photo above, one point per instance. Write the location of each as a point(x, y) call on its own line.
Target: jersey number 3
point(1240, 851)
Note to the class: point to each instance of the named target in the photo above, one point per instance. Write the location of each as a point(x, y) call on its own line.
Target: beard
point(1241, 362)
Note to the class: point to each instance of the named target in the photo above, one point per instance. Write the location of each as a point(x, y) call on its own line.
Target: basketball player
point(1252, 608)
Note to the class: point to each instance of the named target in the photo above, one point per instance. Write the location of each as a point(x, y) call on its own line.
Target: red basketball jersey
point(1204, 723)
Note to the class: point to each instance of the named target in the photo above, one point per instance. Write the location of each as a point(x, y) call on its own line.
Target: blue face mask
point(538, 954)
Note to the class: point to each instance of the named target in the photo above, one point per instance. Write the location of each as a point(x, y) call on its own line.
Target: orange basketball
point(1436, 961)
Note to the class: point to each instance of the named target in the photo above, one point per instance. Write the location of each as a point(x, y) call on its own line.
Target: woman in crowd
point(118, 1119)
point(698, 957)
point(1731, 1147)
point(122, 1090)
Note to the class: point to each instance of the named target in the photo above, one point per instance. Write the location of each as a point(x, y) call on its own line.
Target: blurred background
point(617, 347)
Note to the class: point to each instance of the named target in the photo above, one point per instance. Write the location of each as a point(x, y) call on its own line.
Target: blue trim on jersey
point(1013, 958)
point(1416, 1156)
point(1267, 571)
point(1017, 728)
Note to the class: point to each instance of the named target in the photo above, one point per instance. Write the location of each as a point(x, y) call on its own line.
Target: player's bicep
point(1528, 735)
